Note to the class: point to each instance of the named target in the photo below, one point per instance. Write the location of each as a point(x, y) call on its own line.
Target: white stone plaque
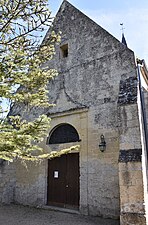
point(56, 174)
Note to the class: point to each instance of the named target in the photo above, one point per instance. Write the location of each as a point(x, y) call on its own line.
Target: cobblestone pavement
point(20, 215)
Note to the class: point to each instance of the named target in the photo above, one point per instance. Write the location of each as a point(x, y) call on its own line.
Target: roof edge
point(67, 2)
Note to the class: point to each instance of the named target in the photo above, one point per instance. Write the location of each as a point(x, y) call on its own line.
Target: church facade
point(96, 95)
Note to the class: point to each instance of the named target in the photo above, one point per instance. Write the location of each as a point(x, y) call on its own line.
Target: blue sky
point(110, 13)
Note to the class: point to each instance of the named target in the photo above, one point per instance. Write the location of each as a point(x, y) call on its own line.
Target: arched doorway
point(63, 172)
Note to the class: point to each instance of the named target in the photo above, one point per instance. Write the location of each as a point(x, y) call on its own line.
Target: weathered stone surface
point(7, 182)
point(131, 193)
point(96, 93)
point(128, 91)
point(130, 155)
point(132, 219)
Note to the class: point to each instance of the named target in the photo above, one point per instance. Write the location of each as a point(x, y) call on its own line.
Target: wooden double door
point(63, 181)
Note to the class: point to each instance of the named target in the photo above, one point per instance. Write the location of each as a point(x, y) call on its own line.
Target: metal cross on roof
point(122, 27)
point(123, 38)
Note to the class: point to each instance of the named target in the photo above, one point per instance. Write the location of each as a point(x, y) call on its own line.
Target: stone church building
point(99, 106)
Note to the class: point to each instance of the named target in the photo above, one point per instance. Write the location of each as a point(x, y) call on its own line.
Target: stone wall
point(31, 183)
point(99, 74)
point(96, 92)
point(132, 208)
point(7, 182)
point(144, 151)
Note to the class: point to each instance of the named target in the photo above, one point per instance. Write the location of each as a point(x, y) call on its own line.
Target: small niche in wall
point(64, 50)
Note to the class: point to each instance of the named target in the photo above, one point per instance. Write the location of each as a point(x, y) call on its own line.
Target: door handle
point(67, 186)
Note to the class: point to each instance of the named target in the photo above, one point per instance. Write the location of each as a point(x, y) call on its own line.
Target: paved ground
point(19, 215)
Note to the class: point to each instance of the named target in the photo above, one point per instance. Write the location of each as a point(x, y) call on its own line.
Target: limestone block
point(132, 219)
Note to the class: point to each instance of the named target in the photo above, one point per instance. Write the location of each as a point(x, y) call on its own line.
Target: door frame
point(79, 119)
point(66, 204)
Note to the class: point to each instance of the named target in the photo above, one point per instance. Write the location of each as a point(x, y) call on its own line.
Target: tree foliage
point(22, 67)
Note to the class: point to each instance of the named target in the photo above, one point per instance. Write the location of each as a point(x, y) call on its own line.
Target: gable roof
point(69, 14)
point(67, 6)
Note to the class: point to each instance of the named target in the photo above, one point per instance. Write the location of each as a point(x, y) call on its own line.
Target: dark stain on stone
point(130, 155)
point(107, 100)
point(126, 178)
point(128, 91)
point(2, 162)
point(97, 118)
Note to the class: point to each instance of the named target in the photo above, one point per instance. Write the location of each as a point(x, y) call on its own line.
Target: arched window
point(63, 133)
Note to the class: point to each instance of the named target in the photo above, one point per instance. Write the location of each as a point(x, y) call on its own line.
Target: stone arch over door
point(63, 172)
point(63, 133)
